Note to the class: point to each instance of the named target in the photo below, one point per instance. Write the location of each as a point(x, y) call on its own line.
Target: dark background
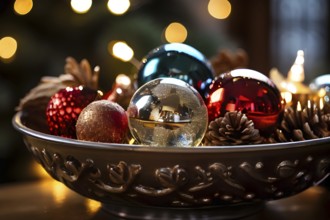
point(270, 31)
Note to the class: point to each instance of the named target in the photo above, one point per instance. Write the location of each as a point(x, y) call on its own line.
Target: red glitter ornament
point(250, 92)
point(102, 121)
point(64, 108)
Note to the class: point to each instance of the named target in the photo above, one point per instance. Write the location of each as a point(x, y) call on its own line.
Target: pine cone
point(226, 61)
point(34, 104)
point(326, 119)
point(232, 129)
point(308, 123)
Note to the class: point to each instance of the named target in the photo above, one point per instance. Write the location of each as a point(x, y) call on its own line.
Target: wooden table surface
point(49, 199)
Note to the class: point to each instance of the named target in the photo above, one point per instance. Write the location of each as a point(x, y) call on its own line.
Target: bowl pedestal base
point(209, 213)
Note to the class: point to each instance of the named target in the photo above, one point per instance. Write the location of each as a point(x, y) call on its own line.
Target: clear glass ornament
point(167, 112)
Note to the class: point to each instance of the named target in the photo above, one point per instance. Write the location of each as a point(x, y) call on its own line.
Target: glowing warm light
point(81, 6)
point(59, 191)
point(92, 206)
point(219, 9)
point(119, 91)
point(175, 33)
point(121, 51)
point(22, 7)
point(309, 104)
point(131, 141)
point(8, 47)
point(287, 96)
point(322, 92)
point(40, 171)
point(118, 7)
point(292, 88)
point(321, 104)
point(296, 73)
point(298, 106)
point(123, 80)
point(294, 82)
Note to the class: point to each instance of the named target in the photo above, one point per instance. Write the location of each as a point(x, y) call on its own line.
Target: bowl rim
point(19, 126)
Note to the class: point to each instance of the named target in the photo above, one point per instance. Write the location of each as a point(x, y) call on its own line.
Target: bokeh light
point(81, 6)
point(121, 50)
point(176, 33)
point(92, 206)
point(8, 47)
point(39, 171)
point(219, 9)
point(23, 7)
point(118, 7)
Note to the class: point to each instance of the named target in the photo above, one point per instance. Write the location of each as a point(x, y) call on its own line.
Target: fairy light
point(81, 6)
point(23, 7)
point(8, 47)
point(175, 32)
point(118, 7)
point(123, 80)
point(219, 9)
point(122, 51)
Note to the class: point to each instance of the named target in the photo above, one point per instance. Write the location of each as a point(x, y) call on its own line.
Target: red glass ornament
point(250, 92)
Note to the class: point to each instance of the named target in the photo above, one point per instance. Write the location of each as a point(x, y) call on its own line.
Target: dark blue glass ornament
point(180, 61)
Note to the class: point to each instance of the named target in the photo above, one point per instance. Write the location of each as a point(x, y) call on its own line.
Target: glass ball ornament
point(167, 112)
point(179, 61)
point(250, 92)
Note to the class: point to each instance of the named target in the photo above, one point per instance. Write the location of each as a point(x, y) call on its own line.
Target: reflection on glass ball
point(179, 61)
point(321, 85)
point(167, 112)
point(248, 91)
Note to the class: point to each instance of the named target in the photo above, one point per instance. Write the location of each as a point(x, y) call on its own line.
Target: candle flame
point(298, 106)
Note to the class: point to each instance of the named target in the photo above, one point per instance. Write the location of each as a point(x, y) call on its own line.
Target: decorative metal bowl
point(141, 182)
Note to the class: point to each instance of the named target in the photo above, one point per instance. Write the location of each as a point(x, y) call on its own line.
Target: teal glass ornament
point(179, 61)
